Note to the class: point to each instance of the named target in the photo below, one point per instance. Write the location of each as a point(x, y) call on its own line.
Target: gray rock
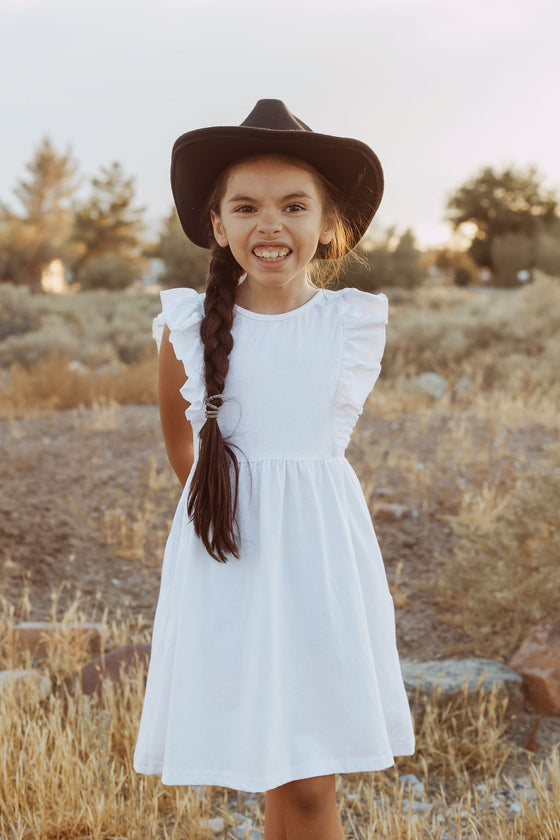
point(246, 830)
point(432, 384)
point(417, 806)
point(452, 674)
point(413, 784)
point(217, 825)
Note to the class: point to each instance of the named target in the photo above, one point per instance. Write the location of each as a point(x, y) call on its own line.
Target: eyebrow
point(286, 197)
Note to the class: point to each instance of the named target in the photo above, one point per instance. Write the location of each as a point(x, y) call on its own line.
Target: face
point(271, 216)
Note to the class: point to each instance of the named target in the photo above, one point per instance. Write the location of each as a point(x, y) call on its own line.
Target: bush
point(508, 336)
point(504, 575)
point(511, 253)
point(94, 327)
point(547, 257)
point(462, 276)
point(108, 272)
point(55, 385)
point(16, 311)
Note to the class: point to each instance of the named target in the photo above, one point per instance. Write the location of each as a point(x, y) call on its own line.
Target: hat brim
point(199, 156)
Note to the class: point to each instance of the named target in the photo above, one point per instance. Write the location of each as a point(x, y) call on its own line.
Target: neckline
point(278, 315)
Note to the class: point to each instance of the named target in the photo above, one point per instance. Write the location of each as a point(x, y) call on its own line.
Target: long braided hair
point(212, 501)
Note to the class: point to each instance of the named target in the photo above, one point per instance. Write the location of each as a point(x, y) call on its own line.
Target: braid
point(210, 503)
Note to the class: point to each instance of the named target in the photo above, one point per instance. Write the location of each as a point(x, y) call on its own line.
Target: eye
point(243, 208)
point(295, 207)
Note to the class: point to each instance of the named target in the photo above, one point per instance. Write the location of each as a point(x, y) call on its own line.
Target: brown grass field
point(87, 497)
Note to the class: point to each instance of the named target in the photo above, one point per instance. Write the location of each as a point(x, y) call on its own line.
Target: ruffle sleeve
point(363, 342)
point(183, 311)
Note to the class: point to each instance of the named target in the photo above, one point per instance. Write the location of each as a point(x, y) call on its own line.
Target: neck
point(270, 300)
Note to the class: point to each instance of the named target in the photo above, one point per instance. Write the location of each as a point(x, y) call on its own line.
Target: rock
point(414, 797)
point(37, 636)
point(244, 828)
point(452, 674)
point(246, 831)
point(391, 511)
point(216, 825)
point(537, 662)
point(412, 784)
point(28, 686)
point(432, 384)
point(107, 667)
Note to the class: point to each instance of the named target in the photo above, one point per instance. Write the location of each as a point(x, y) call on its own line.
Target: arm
point(177, 431)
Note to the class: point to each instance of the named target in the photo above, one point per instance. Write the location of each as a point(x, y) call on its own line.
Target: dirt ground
point(87, 498)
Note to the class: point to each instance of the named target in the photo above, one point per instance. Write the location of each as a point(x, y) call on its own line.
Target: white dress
point(280, 664)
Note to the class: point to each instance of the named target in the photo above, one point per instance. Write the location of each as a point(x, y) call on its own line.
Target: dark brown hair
point(212, 500)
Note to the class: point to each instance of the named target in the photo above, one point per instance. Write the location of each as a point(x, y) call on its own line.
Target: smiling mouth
point(272, 255)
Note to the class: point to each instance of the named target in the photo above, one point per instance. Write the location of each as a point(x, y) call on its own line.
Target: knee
point(308, 794)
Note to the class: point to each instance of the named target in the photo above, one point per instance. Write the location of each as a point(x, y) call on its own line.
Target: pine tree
point(32, 238)
point(106, 224)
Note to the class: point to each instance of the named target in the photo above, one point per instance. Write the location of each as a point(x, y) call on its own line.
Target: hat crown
point(274, 115)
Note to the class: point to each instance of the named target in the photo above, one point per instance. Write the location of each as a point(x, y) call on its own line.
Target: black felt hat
point(199, 156)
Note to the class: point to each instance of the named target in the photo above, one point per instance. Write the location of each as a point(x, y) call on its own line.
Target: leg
point(309, 809)
point(274, 828)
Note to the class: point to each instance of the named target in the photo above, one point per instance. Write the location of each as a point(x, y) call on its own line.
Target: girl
point(274, 662)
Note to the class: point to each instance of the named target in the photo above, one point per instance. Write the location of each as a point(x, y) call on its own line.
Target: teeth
point(272, 254)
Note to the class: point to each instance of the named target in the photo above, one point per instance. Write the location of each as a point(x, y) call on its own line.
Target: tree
point(107, 272)
point(392, 260)
point(511, 253)
point(185, 263)
point(547, 248)
point(106, 224)
point(513, 202)
point(40, 233)
point(407, 270)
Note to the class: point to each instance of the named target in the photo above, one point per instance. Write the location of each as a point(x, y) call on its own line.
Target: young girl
point(274, 663)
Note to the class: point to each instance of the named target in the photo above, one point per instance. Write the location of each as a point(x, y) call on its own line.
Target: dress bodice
point(297, 380)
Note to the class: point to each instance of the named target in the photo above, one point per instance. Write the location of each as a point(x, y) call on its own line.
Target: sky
point(439, 89)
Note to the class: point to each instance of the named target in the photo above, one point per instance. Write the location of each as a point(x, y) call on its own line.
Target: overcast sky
point(437, 88)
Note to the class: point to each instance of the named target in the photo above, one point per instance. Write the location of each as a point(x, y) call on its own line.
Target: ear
point(219, 230)
point(326, 236)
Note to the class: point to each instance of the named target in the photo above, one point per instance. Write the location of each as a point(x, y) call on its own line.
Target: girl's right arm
point(177, 431)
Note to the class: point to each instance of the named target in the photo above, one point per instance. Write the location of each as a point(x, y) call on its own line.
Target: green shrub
point(511, 253)
point(108, 272)
point(93, 327)
point(17, 315)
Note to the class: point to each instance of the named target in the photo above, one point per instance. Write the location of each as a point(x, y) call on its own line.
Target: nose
point(269, 221)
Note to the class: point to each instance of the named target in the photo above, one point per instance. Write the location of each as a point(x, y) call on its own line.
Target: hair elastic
point(211, 410)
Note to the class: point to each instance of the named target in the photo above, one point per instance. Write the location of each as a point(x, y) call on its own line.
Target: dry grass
point(69, 776)
point(504, 575)
point(134, 537)
point(493, 338)
point(52, 384)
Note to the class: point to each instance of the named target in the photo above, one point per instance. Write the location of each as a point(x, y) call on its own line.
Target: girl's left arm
point(177, 431)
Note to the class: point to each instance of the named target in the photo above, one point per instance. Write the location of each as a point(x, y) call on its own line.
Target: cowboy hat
point(199, 156)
